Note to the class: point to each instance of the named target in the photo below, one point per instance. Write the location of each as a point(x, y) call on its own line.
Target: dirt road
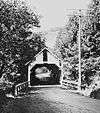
point(53, 100)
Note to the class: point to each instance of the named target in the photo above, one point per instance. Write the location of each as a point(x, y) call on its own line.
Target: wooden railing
point(21, 87)
point(70, 84)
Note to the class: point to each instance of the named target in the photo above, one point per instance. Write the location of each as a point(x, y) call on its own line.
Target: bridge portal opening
point(45, 74)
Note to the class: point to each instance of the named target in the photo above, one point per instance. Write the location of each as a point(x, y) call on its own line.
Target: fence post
point(16, 93)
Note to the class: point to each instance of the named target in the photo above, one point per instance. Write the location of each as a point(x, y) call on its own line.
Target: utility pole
point(79, 42)
point(79, 48)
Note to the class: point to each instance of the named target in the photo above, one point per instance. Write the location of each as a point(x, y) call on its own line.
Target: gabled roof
point(48, 49)
point(45, 48)
point(41, 51)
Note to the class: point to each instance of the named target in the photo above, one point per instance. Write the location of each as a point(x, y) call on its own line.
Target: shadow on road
point(28, 105)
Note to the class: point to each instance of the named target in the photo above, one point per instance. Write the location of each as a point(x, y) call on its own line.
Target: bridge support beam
point(62, 75)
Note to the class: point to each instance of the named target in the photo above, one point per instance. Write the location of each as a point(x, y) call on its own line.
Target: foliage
point(67, 44)
point(91, 43)
point(16, 20)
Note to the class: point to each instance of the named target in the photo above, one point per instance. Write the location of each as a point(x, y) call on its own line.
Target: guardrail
point(70, 84)
point(20, 87)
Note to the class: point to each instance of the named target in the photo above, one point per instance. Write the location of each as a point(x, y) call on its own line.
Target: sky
point(54, 13)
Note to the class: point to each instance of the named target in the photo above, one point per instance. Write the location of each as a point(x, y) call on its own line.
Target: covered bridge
point(45, 69)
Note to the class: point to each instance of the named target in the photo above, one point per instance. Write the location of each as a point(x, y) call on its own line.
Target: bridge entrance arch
point(45, 74)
